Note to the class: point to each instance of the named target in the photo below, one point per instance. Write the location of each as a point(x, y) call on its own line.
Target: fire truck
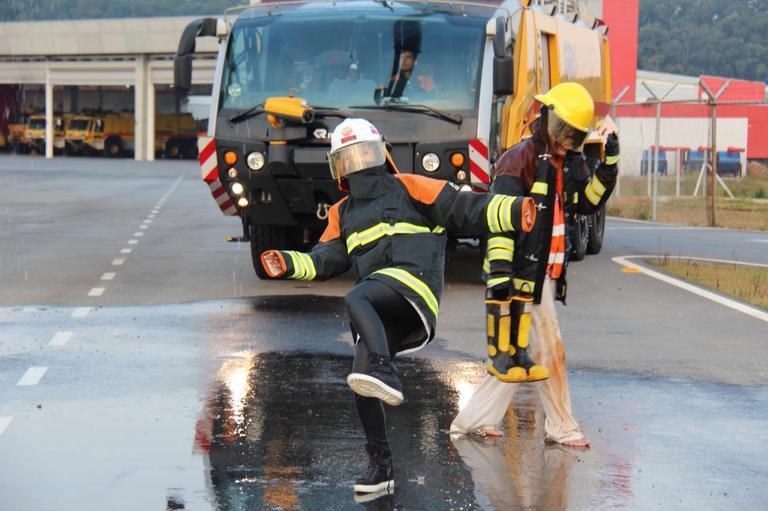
point(450, 84)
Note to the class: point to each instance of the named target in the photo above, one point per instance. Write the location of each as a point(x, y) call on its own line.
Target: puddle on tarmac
point(279, 431)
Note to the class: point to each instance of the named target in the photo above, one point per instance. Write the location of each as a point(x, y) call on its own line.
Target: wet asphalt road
point(187, 383)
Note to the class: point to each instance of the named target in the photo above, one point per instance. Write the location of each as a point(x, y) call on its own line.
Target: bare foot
point(581, 443)
point(487, 431)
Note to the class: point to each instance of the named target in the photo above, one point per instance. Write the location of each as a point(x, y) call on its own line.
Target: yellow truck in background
point(112, 134)
point(450, 83)
point(33, 139)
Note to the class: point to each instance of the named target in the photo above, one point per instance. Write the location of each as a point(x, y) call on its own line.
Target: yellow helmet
point(571, 102)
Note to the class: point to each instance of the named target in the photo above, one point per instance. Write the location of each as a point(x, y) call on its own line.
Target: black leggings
point(381, 317)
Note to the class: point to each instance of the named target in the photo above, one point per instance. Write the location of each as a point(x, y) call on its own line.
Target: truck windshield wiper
point(251, 112)
point(417, 109)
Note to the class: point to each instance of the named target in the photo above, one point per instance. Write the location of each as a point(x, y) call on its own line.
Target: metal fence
point(701, 162)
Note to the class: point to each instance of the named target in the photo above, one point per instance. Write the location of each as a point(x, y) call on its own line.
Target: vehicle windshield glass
point(37, 124)
point(78, 124)
point(334, 58)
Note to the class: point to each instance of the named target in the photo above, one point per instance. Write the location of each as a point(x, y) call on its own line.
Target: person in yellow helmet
point(525, 276)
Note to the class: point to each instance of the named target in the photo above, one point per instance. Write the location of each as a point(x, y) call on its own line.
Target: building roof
point(100, 37)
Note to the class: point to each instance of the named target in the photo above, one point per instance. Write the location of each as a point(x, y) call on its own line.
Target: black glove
point(612, 149)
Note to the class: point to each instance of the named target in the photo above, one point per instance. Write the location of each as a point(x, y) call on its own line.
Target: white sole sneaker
point(368, 386)
point(380, 489)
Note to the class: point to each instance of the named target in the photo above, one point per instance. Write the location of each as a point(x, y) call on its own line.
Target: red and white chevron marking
point(209, 169)
point(479, 164)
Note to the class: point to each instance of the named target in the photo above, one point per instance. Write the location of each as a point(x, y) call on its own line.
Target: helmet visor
point(356, 157)
point(563, 133)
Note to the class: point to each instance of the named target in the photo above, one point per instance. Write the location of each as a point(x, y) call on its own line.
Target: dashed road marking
point(144, 226)
point(81, 312)
point(138, 234)
point(29, 309)
point(133, 242)
point(759, 240)
point(147, 222)
point(126, 251)
point(118, 262)
point(61, 338)
point(96, 291)
point(153, 215)
point(709, 295)
point(4, 422)
point(32, 377)
point(108, 276)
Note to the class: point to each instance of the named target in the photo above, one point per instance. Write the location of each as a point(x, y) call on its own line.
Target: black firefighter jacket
point(392, 229)
point(525, 169)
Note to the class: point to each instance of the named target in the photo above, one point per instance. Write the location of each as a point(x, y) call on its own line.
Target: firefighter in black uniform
point(391, 229)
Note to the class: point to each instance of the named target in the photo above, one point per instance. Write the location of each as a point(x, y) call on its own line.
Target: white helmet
point(356, 145)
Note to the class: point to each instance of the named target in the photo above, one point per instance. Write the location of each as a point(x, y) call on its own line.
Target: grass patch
point(733, 214)
point(746, 283)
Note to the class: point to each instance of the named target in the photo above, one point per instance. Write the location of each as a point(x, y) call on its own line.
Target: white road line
point(96, 291)
point(81, 312)
point(4, 422)
point(126, 251)
point(61, 338)
point(32, 376)
point(138, 234)
point(108, 276)
point(152, 215)
point(709, 295)
point(147, 222)
point(133, 242)
point(142, 226)
point(29, 309)
point(759, 240)
point(118, 262)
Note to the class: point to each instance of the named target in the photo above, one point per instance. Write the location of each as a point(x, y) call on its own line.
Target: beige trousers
point(490, 401)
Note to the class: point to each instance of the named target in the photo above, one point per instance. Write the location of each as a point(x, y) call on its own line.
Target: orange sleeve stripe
point(333, 230)
point(423, 189)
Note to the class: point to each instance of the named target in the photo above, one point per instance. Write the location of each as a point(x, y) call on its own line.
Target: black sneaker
point(379, 476)
point(380, 382)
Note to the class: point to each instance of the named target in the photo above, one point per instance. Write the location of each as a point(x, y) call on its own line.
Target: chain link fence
point(693, 162)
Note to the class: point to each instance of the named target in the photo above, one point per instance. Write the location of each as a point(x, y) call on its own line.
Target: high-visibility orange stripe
point(333, 230)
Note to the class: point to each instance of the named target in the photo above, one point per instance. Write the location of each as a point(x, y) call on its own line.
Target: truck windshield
point(37, 124)
point(343, 58)
point(78, 124)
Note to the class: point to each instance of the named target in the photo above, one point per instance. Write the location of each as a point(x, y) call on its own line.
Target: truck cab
point(449, 84)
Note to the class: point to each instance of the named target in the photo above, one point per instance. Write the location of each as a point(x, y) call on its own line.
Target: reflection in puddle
point(279, 431)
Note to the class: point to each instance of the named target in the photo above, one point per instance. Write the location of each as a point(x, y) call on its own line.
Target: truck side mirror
point(503, 65)
point(499, 39)
point(503, 76)
point(182, 61)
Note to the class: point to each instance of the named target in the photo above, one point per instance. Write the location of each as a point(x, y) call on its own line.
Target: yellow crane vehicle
point(449, 83)
point(33, 140)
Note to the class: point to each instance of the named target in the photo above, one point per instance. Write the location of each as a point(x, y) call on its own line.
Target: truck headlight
point(242, 202)
point(255, 161)
point(430, 162)
point(237, 188)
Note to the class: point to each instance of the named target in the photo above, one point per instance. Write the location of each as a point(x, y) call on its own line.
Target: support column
point(140, 108)
point(49, 127)
point(150, 118)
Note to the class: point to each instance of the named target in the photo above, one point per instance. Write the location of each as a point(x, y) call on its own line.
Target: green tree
point(705, 37)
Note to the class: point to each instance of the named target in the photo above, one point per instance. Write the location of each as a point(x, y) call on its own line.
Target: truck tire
point(265, 237)
point(113, 147)
point(190, 150)
point(580, 239)
point(596, 232)
point(173, 149)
